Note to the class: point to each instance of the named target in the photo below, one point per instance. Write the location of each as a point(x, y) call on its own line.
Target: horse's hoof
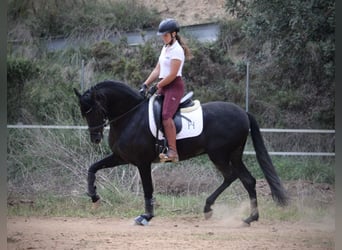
point(141, 221)
point(208, 215)
point(96, 205)
point(245, 224)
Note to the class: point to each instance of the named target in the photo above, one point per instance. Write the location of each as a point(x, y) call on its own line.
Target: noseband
point(92, 129)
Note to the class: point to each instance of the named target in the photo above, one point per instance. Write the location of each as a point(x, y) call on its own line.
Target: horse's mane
point(108, 87)
point(106, 90)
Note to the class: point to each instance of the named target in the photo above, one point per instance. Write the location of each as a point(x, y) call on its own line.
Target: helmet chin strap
point(172, 40)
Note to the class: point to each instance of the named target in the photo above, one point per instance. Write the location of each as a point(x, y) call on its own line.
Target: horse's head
point(94, 113)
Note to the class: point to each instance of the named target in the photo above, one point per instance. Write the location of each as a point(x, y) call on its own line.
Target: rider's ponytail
point(186, 49)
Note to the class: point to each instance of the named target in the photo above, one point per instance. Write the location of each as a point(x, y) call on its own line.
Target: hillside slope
point(188, 12)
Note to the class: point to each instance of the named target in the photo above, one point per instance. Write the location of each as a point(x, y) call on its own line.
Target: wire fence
point(271, 142)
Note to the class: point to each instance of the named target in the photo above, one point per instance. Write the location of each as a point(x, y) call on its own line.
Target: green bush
point(52, 104)
point(104, 53)
point(19, 72)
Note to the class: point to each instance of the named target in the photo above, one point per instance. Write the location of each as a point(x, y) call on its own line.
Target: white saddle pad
point(192, 121)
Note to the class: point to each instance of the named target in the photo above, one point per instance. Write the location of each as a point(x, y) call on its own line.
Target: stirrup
point(166, 158)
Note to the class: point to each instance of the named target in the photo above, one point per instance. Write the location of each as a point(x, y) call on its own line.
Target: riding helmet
point(168, 25)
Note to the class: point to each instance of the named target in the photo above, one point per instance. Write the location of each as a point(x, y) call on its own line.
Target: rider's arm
point(175, 65)
point(153, 76)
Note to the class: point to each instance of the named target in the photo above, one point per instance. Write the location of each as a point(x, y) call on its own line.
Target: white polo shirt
point(175, 51)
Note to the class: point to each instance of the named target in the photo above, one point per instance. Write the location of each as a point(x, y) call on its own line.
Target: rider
point(170, 83)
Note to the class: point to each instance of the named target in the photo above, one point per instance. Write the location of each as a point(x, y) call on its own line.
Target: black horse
point(226, 127)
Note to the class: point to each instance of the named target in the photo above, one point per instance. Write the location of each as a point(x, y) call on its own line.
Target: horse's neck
point(118, 106)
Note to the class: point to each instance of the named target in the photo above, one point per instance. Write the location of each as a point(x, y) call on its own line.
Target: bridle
point(93, 129)
point(108, 122)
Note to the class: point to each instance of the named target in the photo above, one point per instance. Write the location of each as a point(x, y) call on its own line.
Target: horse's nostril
point(96, 140)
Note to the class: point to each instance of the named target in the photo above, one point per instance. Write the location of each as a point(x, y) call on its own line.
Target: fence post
point(82, 76)
point(247, 85)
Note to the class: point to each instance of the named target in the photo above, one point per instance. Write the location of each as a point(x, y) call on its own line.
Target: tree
point(295, 42)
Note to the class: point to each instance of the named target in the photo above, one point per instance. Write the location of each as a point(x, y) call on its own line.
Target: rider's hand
point(153, 90)
point(143, 90)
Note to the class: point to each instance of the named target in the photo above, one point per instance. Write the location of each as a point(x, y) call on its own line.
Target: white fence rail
point(266, 130)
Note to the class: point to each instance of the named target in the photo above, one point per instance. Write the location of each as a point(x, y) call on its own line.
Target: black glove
point(152, 90)
point(143, 90)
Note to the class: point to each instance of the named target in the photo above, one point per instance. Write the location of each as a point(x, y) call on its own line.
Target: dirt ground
point(165, 233)
point(223, 231)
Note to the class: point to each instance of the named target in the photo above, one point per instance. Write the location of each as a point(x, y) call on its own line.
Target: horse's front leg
point(108, 162)
point(146, 179)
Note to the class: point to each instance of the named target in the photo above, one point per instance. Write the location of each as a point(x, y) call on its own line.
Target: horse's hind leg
point(212, 198)
point(248, 182)
point(222, 163)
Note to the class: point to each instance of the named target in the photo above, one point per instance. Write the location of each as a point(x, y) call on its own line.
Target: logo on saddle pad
point(188, 118)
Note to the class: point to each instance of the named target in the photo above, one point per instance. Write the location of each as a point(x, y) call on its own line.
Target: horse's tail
point(265, 162)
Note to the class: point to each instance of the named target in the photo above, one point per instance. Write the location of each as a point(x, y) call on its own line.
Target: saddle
point(186, 102)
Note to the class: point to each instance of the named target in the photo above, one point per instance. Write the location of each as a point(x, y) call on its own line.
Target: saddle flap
point(157, 112)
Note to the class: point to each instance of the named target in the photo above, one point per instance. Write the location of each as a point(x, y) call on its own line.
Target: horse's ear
point(78, 94)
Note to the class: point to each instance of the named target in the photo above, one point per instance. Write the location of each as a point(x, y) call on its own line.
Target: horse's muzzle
point(96, 137)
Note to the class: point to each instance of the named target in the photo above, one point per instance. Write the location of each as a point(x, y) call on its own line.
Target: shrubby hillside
point(290, 52)
point(289, 46)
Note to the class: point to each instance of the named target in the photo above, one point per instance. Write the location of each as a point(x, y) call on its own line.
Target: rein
point(106, 123)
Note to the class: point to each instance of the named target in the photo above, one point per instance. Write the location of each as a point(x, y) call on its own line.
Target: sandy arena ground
point(165, 233)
